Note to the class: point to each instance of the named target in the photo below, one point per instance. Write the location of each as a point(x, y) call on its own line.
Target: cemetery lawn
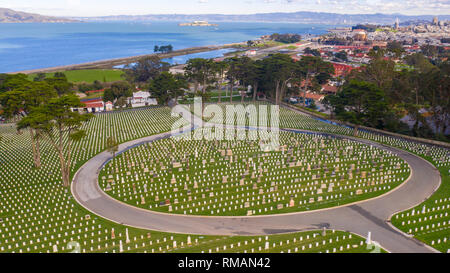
point(311, 110)
point(215, 99)
point(236, 178)
point(304, 242)
point(37, 213)
point(430, 222)
point(33, 201)
point(89, 75)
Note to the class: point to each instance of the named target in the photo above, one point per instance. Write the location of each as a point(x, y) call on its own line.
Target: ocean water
point(206, 55)
point(36, 45)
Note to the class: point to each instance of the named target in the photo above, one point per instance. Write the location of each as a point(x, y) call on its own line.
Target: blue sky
point(136, 7)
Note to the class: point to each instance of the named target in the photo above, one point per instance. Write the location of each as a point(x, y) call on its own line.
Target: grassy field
point(324, 115)
point(94, 96)
point(263, 45)
point(37, 214)
point(308, 172)
point(430, 221)
point(438, 206)
point(89, 75)
point(303, 242)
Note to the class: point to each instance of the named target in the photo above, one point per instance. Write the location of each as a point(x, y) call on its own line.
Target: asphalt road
point(359, 218)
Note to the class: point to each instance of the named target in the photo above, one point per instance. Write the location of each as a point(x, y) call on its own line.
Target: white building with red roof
point(91, 106)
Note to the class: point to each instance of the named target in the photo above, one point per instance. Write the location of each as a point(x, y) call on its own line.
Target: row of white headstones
point(231, 174)
point(23, 186)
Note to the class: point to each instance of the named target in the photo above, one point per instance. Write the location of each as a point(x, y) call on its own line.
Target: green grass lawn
point(37, 213)
point(400, 66)
point(304, 172)
point(263, 45)
point(94, 95)
point(311, 110)
point(89, 75)
point(430, 221)
point(305, 242)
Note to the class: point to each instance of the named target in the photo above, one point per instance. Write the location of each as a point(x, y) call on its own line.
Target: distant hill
point(292, 17)
point(305, 17)
point(12, 16)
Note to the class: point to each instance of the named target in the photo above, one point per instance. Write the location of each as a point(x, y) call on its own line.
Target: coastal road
point(111, 63)
point(360, 218)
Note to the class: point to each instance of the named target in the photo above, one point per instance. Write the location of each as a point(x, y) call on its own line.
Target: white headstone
point(127, 237)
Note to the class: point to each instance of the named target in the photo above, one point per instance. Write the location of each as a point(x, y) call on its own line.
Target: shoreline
point(111, 63)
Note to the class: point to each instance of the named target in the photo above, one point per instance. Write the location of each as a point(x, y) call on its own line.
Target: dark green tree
point(323, 77)
point(232, 73)
point(279, 71)
point(39, 77)
point(286, 38)
point(112, 146)
point(145, 69)
point(10, 82)
point(122, 89)
point(108, 95)
point(19, 103)
point(396, 48)
point(419, 62)
point(379, 71)
point(360, 103)
point(310, 67)
point(201, 71)
point(166, 87)
point(313, 52)
point(220, 69)
point(341, 56)
point(60, 84)
point(60, 126)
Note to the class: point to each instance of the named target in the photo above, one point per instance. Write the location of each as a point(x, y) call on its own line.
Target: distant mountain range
point(293, 17)
point(305, 17)
point(12, 16)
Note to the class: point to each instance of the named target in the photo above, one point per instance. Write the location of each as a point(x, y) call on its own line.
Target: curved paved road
point(371, 215)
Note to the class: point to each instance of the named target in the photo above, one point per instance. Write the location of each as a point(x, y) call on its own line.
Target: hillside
point(12, 16)
point(292, 17)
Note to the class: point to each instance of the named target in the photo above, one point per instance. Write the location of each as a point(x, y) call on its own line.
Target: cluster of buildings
point(97, 105)
point(435, 26)
point(352, 43)
point(355, 57)
point(424, 33)
point(357, 44)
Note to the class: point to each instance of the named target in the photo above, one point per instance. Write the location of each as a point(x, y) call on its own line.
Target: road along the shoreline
point(360, 218)
point(111, 63)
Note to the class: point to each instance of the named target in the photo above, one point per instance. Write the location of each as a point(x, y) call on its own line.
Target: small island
point(198, 24)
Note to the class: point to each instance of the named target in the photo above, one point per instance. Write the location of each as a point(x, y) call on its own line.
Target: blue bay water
point(36, 45)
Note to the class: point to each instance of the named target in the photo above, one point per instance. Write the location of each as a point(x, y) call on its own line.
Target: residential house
point(329, 89)
point(141, 99)
point(92, 105)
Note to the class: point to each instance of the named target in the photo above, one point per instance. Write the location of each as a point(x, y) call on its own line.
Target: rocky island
point(198, 24)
